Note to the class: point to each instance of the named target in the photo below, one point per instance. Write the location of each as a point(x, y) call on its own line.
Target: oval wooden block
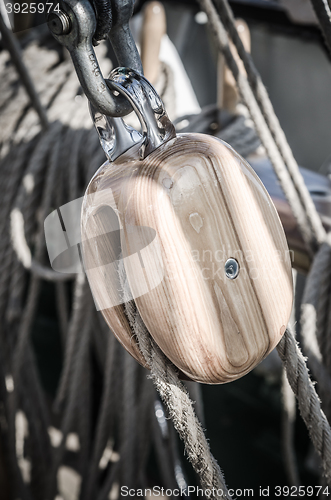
point(181, 214)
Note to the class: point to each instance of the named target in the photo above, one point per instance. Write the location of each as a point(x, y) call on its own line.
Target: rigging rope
point(272, 137)
point(267, 126)
point(289, 416)
point(323, 13)
point(308, 401)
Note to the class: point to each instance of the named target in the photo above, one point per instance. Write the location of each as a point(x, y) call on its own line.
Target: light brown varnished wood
point(205, 205)
point(153, 28)
point(100, 249)
point(228, 95)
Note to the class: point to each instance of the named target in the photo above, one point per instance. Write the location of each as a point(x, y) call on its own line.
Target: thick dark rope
point(309, 307)
point(78, 342)
point(70, 411)
point(103, 10)
point(145, 415)
point(22, 344)
point(27, 185)
point(10, 42)
point(162, 451)
point(105, 420)
point(308, 401)
point(85, 410)
point(288, 420)
point(81, 300)
point(176, 399)
point(323, 14)
point(128, 449)
point(289, 416)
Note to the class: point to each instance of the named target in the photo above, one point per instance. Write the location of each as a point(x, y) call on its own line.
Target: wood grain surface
point(153, 28)
point(178, 216)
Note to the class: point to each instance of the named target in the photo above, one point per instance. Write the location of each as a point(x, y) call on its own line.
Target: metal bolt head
point(59, 23)
point(231, 268)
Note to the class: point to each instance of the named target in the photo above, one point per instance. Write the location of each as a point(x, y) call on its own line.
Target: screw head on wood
point(59, 23)
point(231, 268)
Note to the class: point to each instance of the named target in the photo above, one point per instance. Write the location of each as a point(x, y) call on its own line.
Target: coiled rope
point(41, 170)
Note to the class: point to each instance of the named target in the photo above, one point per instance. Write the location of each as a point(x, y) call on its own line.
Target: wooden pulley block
point(204, 253)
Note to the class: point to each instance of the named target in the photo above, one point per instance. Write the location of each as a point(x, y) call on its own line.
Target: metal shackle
point(74, 25)
point(115, 136)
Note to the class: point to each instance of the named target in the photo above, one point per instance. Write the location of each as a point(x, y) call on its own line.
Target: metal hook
point(115, 136)
point(148, 106)
point(73, 25)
